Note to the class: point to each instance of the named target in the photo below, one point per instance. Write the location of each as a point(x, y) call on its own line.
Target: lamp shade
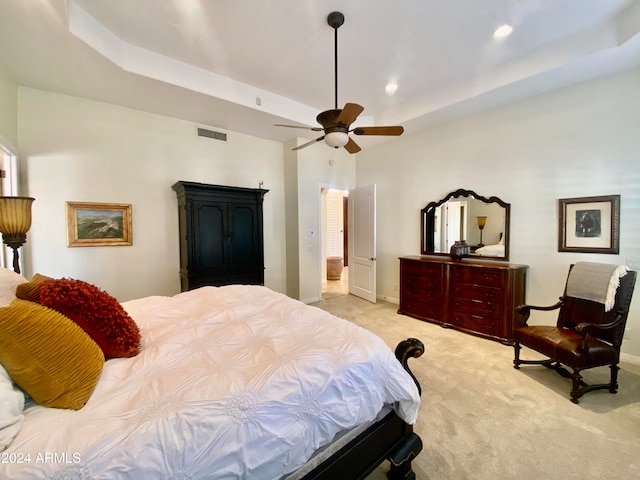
point(15, 215)
point(336, 139)
point(482, 221)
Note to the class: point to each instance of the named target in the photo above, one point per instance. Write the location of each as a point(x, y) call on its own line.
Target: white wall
point(314, 171)
point(8, 111)
point(576, 142)
point(74, 149)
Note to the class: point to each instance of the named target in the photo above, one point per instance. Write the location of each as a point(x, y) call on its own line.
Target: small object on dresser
point(459, 250)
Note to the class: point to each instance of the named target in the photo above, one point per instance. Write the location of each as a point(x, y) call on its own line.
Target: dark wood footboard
point(388, 439)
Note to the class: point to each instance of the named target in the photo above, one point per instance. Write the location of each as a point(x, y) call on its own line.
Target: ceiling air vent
point(203, 132)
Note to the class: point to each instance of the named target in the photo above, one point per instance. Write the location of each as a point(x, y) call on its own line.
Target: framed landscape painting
point(98, 224)
point(589, 224)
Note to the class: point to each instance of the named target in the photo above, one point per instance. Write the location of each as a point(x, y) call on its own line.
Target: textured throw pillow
point(31, 290)
point(9, 281)
point(96, 312)
point(51, 358)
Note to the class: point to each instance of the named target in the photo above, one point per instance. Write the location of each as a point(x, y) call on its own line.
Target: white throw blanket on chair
point(595, 281)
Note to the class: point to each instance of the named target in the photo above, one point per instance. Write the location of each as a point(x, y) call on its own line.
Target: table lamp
point(15, 222)
point(482, 221)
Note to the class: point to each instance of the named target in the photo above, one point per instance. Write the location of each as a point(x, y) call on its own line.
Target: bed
point(497, 250)
point(233, 382)
point(491, 251)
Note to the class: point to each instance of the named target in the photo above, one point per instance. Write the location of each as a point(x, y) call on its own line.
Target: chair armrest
point(587, 329)
point(593, 328)
point(525, 310)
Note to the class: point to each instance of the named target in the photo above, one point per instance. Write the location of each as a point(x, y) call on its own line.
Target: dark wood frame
point(613, 223)
point(388, 439)
point(427, 214)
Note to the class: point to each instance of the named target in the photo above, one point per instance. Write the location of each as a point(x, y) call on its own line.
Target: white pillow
point(491, 251)
point(9, 280)
point(11, 407)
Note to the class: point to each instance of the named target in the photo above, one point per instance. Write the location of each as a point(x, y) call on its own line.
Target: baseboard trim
point(625, 357)
point(311, 300)
point(388, 299)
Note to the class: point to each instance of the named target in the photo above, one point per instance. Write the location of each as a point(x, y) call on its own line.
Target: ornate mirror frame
point(430, 214)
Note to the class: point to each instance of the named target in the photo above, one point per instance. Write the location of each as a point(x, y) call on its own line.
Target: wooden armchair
point(585, 336)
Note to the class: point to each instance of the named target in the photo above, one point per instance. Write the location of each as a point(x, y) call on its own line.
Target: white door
point(362, 242)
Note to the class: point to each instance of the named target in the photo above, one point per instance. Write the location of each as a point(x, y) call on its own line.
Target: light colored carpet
point(480, 419)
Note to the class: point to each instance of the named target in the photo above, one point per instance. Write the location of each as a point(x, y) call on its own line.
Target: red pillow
point(99, 314)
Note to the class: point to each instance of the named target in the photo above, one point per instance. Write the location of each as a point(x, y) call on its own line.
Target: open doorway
point(335, 260)
point(8, 187)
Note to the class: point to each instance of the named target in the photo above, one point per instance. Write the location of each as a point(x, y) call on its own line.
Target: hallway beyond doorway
point(335, 288)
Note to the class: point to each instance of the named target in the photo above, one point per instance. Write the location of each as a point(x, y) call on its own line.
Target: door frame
point(9, 188)
point(321, 220)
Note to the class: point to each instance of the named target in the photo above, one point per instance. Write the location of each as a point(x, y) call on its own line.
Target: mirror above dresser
point(464, 215)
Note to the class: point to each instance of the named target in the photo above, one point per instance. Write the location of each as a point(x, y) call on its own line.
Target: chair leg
point(576, 379)
point(613, 386)
point(516, 358)
point(578, 386)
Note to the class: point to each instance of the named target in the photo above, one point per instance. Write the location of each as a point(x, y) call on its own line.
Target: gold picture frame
point(98, 224)
point(589, 224)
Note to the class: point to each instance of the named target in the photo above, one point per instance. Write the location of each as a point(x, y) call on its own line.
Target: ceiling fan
point(336, 122)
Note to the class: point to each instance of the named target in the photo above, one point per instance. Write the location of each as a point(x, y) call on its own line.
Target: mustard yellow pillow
point(50, 357)
point(31, 290)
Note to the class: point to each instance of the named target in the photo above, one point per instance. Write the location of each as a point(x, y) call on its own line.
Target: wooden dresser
point(475, 296)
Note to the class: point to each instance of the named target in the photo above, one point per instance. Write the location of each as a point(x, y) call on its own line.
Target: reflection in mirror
point(464, 215)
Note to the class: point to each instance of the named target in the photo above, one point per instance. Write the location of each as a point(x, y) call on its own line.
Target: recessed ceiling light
point(391, 88)
point(503, 30)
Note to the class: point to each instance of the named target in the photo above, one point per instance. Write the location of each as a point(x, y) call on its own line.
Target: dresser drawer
point(482, 276)
point(422, 269)
point(475, 307)
point(478, 292)
point(416, 281)
point(431, 311)
point(421, 295)
point(488, 326)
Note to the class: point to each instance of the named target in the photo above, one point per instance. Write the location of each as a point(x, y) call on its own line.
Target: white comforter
point(236, 382)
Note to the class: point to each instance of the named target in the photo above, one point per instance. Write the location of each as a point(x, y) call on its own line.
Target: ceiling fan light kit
point(336, 139)
point(336, 122)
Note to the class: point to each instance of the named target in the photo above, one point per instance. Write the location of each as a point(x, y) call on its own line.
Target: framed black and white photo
point(589, 224)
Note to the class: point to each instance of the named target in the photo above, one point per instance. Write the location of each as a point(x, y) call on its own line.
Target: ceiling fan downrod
point(336, 123)
point(335, 20)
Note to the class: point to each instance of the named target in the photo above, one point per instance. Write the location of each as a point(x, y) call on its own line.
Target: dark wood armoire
point(221, 238)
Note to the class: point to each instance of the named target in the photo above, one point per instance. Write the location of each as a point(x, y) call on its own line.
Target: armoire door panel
point(210, 238)
point(243, 244)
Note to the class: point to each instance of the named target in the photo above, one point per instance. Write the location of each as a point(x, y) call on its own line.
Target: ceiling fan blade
point(349, 113)
point(397, 130)
point(352, 147)
point(315, 129)
point(308, 143)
